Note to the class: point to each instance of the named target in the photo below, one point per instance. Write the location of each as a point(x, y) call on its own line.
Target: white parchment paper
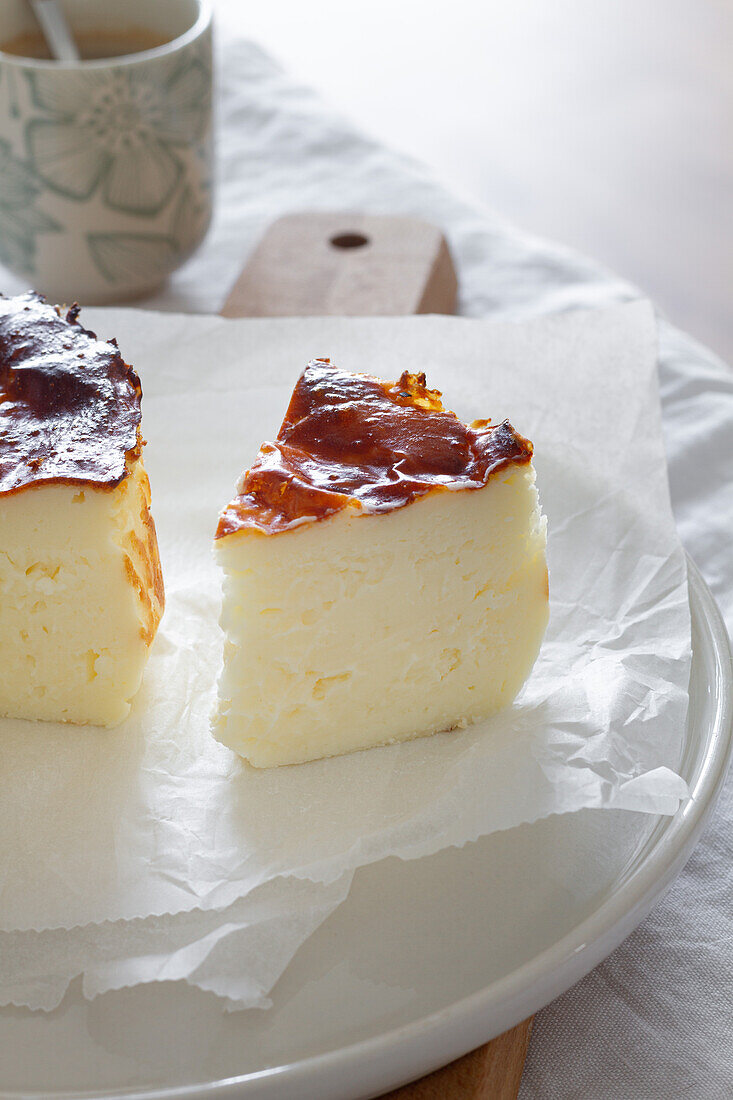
point(156, 818)
point(238, 952)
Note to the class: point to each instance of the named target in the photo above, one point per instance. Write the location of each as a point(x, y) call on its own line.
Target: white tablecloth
point(655, 1020)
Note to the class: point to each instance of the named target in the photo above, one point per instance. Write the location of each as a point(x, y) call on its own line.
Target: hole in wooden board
point(349, 240)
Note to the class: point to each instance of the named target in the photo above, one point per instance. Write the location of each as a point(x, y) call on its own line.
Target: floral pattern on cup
point(20, 219)
point(117, 130)
point(106, 167)
point(125, 257)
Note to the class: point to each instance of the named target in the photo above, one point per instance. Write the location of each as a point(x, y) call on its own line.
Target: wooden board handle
point(317, 265)
point(346, 265)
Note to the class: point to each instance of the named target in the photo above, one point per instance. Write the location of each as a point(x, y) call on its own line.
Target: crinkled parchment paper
point(155, 819)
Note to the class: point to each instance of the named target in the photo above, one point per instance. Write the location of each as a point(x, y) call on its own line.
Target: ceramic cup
point(106, 165)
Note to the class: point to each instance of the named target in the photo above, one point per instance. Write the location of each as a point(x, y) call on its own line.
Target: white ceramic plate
point(424, 961)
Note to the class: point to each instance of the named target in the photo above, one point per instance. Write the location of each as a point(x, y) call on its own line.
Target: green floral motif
point(20, 220)
point(118, 129)
point(191, 216)
point(9, 91)
point(133, 257)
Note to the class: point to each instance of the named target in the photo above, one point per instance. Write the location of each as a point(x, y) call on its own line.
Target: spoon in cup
point(56, 30)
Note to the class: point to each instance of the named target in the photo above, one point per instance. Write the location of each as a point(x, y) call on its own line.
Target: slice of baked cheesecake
point(385, 573)
point(81, 591)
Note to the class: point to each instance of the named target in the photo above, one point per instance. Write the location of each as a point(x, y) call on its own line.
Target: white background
point(606, 125)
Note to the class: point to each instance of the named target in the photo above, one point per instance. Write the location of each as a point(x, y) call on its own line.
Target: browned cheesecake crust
point(354, 439)
point(69, 403)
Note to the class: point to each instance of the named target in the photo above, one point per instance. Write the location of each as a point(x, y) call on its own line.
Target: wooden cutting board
point(318, 265)
point(365, 265)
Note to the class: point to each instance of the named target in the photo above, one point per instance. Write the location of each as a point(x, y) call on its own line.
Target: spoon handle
point(55, 29)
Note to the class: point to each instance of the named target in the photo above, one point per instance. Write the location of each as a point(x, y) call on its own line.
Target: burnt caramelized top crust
point(354, 439)
point(69, 404)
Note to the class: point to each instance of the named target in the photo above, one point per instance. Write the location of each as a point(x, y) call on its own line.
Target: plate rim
point(399, 1055)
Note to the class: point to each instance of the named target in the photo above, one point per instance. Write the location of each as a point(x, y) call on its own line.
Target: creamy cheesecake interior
point(377, 629)
point(81, 600)
point(377, 587)
point(81, 590)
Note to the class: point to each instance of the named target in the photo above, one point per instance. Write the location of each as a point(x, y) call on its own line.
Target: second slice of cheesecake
point(385, 573)
point(81, 589)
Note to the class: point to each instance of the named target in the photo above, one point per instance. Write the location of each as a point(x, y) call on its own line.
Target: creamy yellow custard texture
point(352, 623)
point(81, 590)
